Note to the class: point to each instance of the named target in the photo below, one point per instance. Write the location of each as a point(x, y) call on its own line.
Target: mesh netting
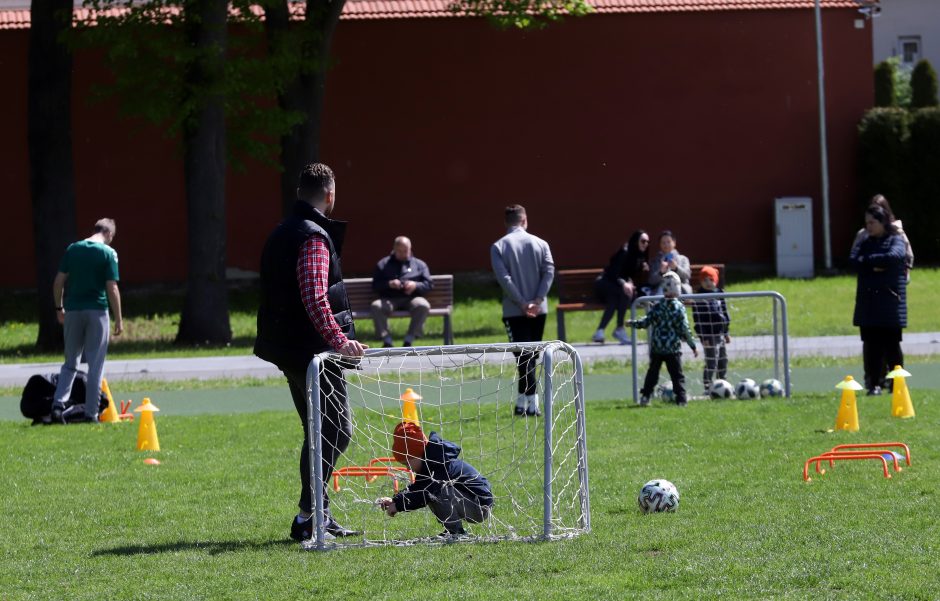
point(466, 395)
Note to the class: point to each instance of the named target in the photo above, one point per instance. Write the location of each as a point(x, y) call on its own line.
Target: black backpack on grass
point(36, 402)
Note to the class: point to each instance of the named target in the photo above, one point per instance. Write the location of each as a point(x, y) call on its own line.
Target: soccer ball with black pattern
point(721, 389)
point(658, 495)
point(746, 389)
point(666, 392)
point(771, 387)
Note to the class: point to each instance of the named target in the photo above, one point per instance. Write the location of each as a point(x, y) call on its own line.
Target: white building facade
point(909, 29)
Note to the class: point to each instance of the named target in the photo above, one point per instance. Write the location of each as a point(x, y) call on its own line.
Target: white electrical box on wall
point(793, 225)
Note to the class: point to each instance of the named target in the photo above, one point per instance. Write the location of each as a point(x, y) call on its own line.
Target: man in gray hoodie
point(524, 268)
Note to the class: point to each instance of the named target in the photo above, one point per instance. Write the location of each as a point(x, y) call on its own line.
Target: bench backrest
point(577, 285)
point(361, 295)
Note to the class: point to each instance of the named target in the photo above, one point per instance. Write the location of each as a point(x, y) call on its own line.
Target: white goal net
point(535, 465)
point(747, 338)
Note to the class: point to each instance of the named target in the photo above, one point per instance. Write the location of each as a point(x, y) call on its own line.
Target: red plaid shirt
point(313, 268)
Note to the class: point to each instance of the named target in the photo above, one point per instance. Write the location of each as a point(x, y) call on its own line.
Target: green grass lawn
point(84, 518)
point(818, 307)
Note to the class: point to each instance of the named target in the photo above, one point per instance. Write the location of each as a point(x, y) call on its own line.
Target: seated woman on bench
point(616, 287)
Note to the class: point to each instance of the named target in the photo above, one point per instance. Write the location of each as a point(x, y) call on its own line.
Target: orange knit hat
point(408, 440)
point(710, 272)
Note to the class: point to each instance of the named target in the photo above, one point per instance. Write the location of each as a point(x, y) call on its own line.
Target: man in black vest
point(304, 311)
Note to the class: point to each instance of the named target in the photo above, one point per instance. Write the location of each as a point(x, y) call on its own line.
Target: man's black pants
point(336, 426)
point(526, 329)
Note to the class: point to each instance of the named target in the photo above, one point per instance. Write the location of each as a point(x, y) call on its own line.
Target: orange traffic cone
point(847, 417)
point(901, 405)
point(147, 432)
point(409, 408)
point(110, 414)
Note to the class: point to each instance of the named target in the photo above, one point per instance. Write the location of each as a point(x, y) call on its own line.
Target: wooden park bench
point(576, 290)
point(441, 297)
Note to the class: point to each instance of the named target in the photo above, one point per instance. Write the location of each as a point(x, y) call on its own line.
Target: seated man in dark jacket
point(402, 281)
point(451, 488)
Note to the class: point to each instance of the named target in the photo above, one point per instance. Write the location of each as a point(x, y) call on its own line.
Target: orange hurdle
point(871, 445)
point(371, 472)
point(845, 456)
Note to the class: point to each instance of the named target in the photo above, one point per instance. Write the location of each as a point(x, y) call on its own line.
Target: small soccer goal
point(756, 361)
point(536, 464)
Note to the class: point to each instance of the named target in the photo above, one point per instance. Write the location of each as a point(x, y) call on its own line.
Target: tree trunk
point(52, 188)
point(205, 318)
point(305, 93)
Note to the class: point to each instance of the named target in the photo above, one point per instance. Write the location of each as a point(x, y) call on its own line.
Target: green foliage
point(144, 44)
point(522, 14)
point(86, 519)
point(883, 164)
point(902, 82)
point(923, 85)
point(884, 84)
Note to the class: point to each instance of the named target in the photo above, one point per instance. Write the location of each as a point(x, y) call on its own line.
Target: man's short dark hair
point(514, 214)
point(315, 181)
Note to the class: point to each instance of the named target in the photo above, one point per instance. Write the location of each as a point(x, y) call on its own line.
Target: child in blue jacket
point(451, 488)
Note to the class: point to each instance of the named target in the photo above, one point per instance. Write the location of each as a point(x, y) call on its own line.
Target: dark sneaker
point(450, 534)
point(518, 410)
point(301, 531)
point(644, 400)
point(387, 345)
point(57, 411)
point(406, 343)
point(332, 527)
point(530, 412)
point(874, 391)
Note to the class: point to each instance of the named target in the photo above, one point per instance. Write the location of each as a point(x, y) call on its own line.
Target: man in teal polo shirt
point(88, 276)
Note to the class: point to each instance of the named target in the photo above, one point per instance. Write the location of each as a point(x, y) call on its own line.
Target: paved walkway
point(250, 366)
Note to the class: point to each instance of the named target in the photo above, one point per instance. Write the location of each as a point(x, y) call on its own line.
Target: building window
point(909, 49)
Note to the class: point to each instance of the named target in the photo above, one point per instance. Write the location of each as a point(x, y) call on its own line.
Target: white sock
point(533, 401)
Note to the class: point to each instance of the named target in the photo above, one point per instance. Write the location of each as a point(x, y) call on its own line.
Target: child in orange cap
point(451, 488)
point(711, 324)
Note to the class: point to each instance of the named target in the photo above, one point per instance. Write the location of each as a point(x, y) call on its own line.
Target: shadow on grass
point(209, 547)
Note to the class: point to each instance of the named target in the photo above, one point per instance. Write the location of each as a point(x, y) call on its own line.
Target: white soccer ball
point(771, 387)
point(721, 389)
point(747, 389)
point(666, 392)
point(658, 495)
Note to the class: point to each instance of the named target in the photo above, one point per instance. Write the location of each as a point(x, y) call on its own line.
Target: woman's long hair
point(634, 254)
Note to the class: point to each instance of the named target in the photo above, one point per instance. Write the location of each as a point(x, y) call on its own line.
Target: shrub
point(923, 85)
point(883, 166)
point(884, 84)
point(924, 153)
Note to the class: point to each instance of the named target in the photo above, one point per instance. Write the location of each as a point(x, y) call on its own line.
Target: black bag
point(36, 402)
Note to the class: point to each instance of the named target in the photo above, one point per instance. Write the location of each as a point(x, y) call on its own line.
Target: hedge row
point(900, 158)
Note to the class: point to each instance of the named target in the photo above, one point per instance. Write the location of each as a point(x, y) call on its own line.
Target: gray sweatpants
point(85, 332)
point(452, 506)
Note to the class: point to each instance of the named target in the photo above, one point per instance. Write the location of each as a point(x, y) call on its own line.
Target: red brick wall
point(599, 125)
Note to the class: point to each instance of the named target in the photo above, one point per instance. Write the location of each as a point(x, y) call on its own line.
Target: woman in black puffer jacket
point(880, 296)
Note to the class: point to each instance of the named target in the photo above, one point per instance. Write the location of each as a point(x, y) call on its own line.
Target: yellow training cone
point(847, 418)
point(147, 433)
point(901, 405)
point(409, 408)
point(110, 414)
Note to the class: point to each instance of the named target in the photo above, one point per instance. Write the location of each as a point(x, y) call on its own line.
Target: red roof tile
point(406, 9)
